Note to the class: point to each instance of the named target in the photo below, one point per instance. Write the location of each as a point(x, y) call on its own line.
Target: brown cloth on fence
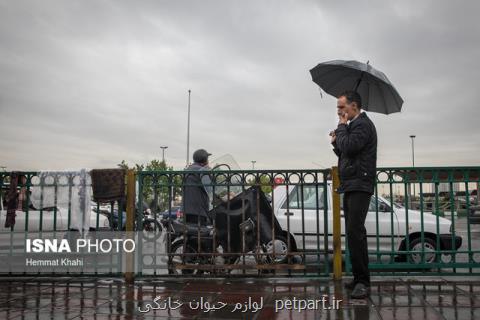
point(108, 184)
point(22, 194)
point(12, 200)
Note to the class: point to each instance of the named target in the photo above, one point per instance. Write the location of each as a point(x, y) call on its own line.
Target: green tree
point(264, 182)
point(159, 186)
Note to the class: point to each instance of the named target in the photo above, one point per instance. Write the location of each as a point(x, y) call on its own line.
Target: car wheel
point(429, 248)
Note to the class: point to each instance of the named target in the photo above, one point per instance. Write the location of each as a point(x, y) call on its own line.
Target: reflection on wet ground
point(286, 298)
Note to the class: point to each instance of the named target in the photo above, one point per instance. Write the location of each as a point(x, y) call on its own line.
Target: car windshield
point(311, 199)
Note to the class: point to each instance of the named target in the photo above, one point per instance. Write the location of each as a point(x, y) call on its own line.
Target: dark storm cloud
point(89, 83)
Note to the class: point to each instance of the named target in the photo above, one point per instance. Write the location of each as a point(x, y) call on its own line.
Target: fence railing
point(238, 222)
point(42, 210)
point(421, 221)
point(430, 232)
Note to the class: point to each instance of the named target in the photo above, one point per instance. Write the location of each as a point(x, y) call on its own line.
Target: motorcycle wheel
point(152, 229)
point(176, 257)
point(281, 249)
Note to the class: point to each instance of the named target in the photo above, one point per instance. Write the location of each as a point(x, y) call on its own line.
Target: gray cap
point(201, 156)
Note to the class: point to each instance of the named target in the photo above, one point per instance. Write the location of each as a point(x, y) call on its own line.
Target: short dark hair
point(352, 96)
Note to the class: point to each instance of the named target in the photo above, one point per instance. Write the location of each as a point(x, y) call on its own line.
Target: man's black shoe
point(350, 285)
point(360, 291)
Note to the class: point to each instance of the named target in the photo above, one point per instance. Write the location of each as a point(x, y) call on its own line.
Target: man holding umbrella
point(355, 144)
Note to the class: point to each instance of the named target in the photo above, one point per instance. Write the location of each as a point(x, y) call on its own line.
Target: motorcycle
point(244, 225)
point(144, 222)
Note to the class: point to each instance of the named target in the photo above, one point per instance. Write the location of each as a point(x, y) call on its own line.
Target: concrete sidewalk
point(279, 298)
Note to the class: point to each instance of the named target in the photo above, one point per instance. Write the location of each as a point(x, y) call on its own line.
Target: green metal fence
point(273, 201)
point(421, 221)
point(47, 206)
point(429, 213)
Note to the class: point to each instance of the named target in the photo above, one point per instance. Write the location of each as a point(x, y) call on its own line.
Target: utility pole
point(413, 150)
point(413, 165)
point(188, 129)
point(163, 152)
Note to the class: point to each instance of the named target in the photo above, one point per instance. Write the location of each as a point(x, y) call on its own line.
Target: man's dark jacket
point(356, 148)
point(195, 196)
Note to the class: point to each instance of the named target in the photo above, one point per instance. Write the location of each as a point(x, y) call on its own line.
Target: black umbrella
point(377, 92)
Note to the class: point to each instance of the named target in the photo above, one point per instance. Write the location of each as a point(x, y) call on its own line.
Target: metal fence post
point(337, 229)
point(129, 274)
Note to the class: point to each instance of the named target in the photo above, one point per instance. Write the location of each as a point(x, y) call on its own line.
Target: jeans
point(355, 208)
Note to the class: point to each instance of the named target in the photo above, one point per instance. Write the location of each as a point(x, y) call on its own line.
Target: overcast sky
point(89, 83)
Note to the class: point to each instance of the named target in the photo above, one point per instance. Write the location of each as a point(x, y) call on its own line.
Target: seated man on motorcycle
point(196, 190)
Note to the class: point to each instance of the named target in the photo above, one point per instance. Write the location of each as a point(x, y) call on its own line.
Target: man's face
point(344, 107)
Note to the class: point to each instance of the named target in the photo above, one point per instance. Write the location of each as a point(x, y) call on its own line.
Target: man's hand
point(228, 196)
point(343, 118)
point(333, 135)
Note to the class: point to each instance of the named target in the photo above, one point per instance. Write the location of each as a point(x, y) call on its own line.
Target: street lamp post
point(413, 149)
point(188, 129)
point(163, 152)
point(253, 164)
point(413, 163)
point(155, 200)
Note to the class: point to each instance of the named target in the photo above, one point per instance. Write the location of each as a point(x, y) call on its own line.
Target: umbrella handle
point(361, 77)
point(359, 80)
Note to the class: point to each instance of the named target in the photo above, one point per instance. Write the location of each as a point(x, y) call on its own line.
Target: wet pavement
point(251, 298)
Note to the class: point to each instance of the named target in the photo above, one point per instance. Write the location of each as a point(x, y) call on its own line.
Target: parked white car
point(389, 235)
point(48, 220)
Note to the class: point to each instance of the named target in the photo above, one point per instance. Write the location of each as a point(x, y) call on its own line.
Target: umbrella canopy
point(377, 92)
